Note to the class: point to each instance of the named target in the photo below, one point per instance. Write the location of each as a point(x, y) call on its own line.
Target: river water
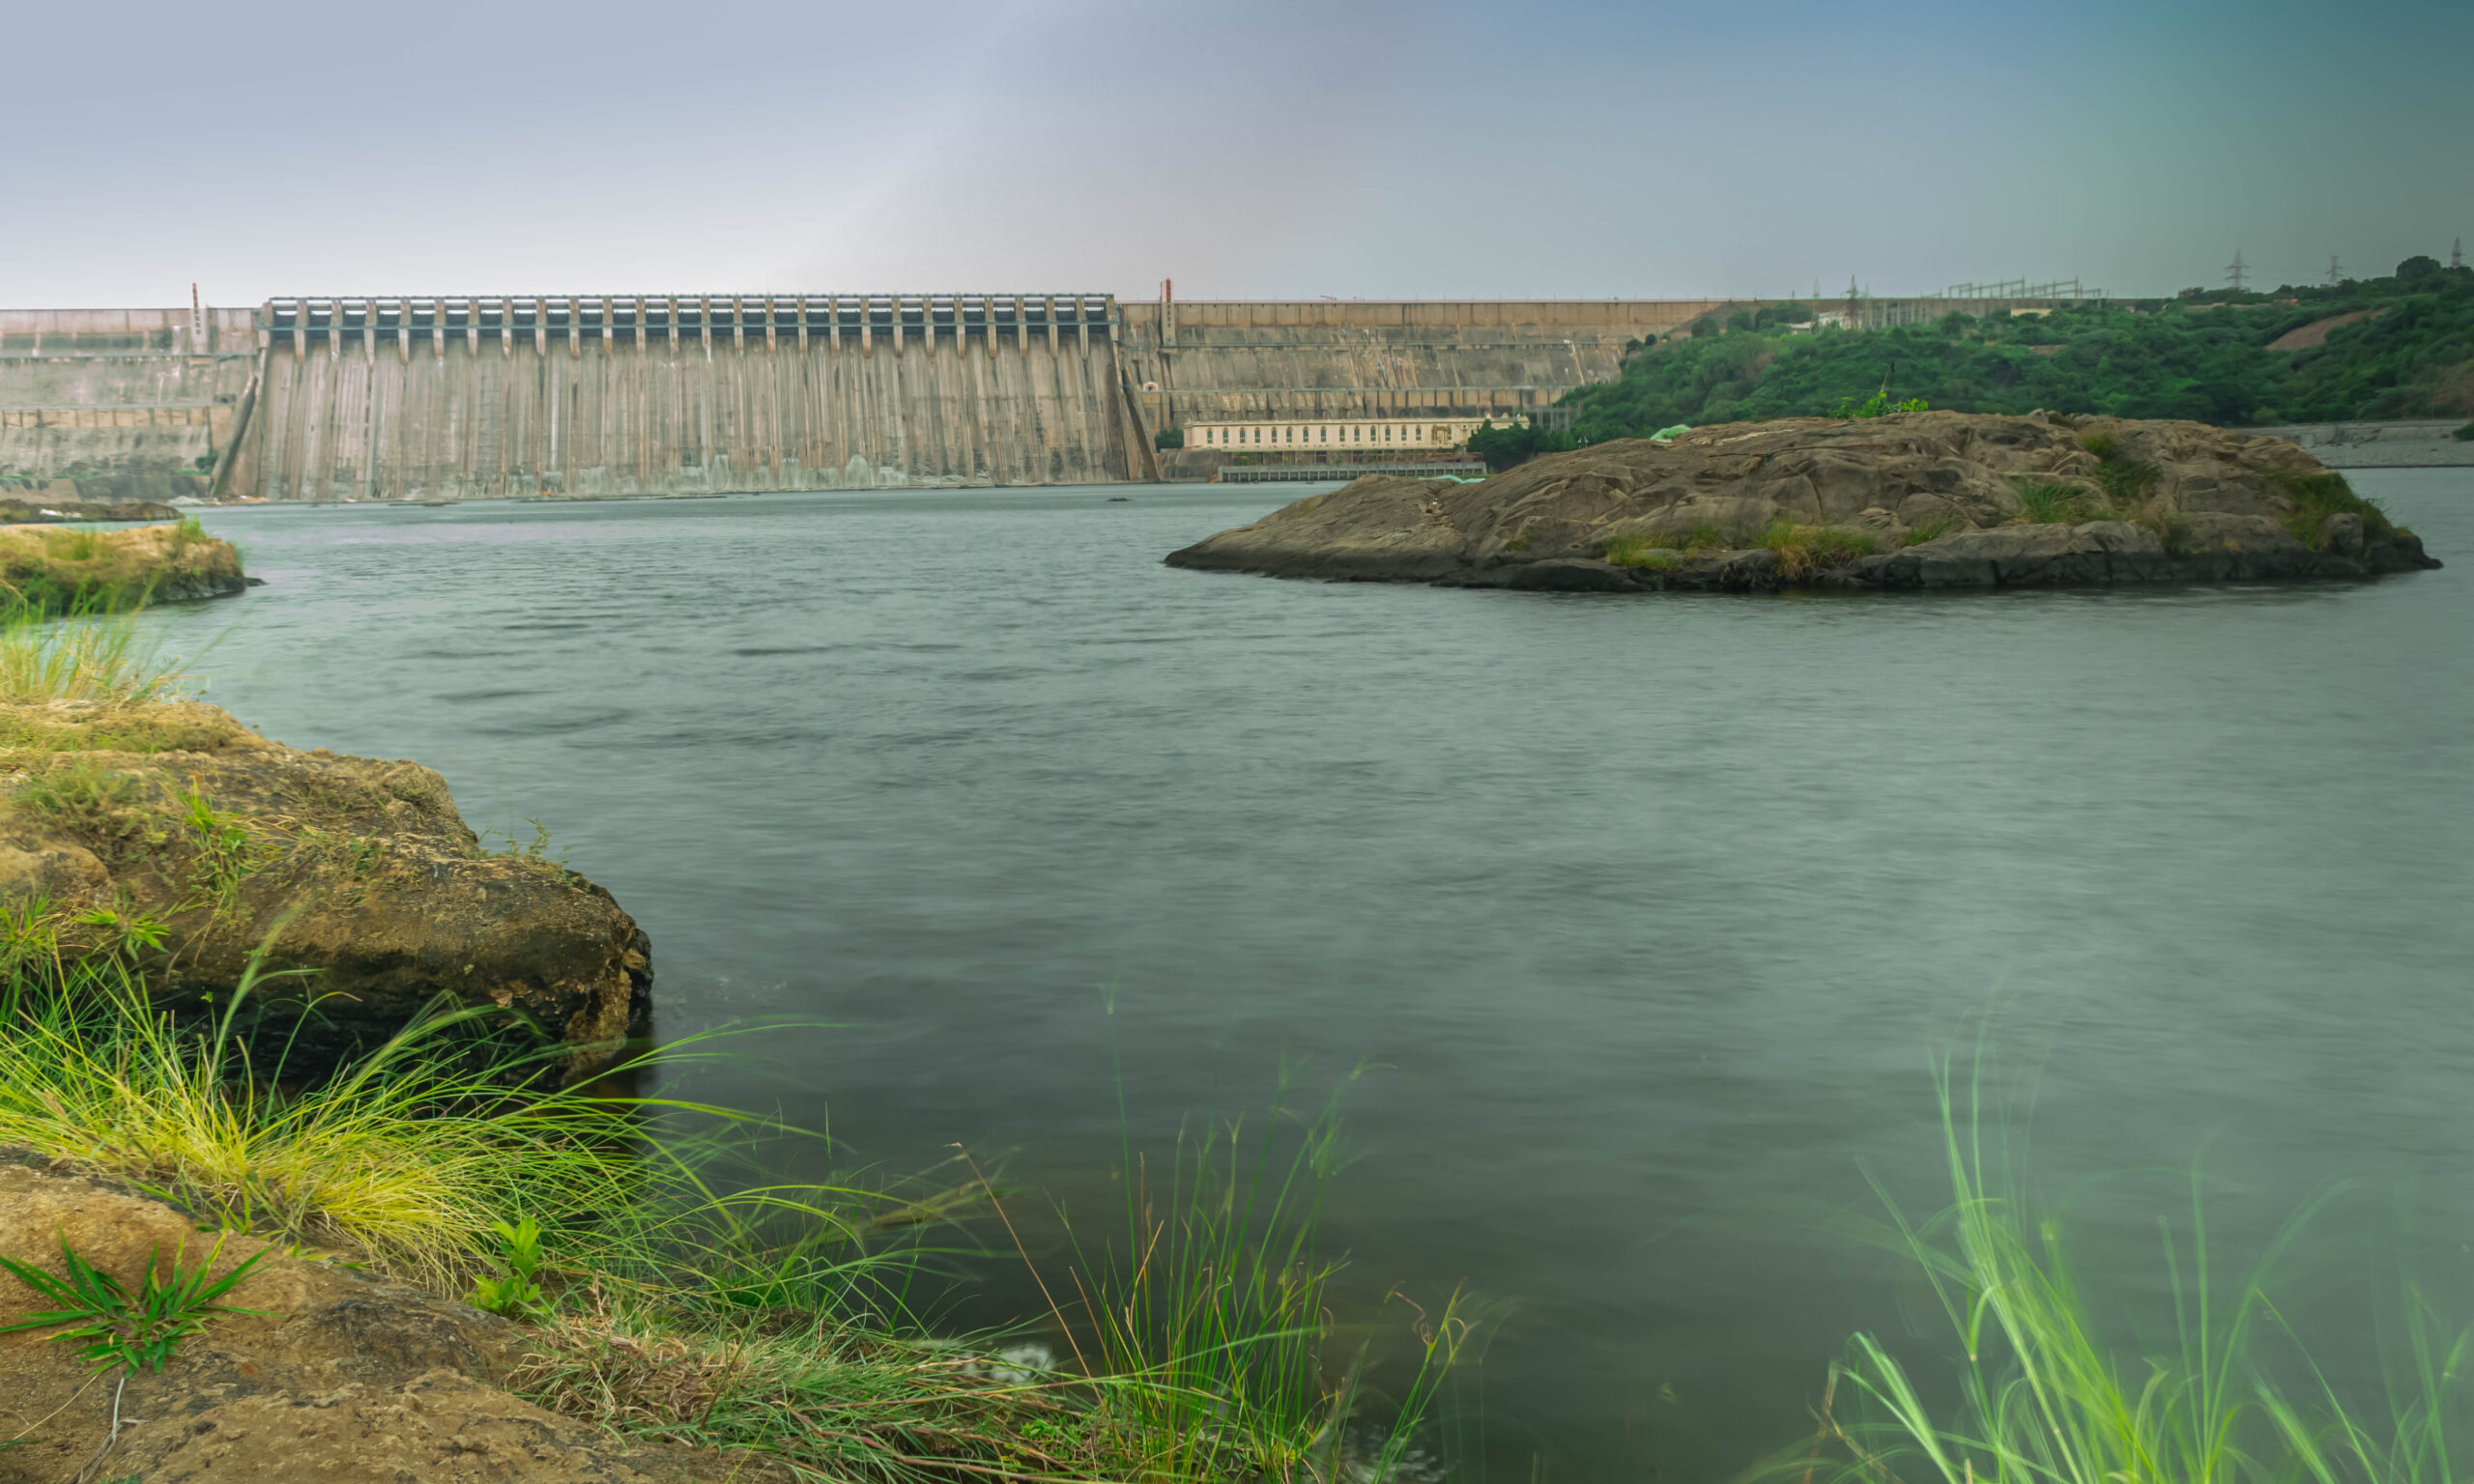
point(1649, 911)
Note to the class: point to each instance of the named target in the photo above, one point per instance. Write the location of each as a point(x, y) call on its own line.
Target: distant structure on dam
point(446, 398)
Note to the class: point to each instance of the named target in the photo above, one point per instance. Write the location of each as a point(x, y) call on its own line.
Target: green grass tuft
point(2318, 497)
point(2043, 1398)
point(1802, 550)
point(1638, 551)
point(2046, 503)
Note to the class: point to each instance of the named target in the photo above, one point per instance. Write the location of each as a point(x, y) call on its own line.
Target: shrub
point(2464, 434)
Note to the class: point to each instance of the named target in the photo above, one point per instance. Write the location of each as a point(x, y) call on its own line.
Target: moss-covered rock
point(116, 815)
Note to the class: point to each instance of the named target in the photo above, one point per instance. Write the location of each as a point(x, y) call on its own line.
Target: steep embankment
point(120, 813)
point(1920, 500)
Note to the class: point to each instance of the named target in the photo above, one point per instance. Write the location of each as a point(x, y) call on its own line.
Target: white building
point(1395, 434)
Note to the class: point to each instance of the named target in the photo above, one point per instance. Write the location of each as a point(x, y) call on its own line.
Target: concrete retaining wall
point(91, 392)
point(1220, 360)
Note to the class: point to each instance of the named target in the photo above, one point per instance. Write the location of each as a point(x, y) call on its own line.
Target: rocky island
point(1906, 500)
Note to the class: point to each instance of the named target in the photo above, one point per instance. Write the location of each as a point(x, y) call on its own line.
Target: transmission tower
point(2235, 272)
point(2457, 254)
point(2335, 273)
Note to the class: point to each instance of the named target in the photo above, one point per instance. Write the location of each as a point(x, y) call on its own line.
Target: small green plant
point(512, 1288)
point(2127, 483)
point(122, 933)
point(91, 654)
point(119, 1332)
point(535, 849)
point(1879, 404)
point(2318, 497)
point(1637, 551)
point(227, 854)
point(1708, 537)
point(74, 544)
point(2464, 435)
point(30, 937)
point(1802, 550)
point(2043, 503)
point(1930, 531)
point(80, 795)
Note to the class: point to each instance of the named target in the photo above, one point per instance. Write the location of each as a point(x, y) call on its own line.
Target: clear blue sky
point(1559, 148)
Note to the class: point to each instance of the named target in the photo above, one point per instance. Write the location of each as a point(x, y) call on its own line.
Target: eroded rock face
point(359, 869)
point(1918, 500)
point(341, 1377)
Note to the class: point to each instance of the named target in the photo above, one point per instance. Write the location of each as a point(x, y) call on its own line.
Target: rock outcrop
point(338, 1377)
point(359, 869)
point(1916, 499)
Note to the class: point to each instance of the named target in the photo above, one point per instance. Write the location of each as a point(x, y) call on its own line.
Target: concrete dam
point(669, 394)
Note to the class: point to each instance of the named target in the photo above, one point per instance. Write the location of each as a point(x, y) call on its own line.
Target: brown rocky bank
point(1913, 499)
point(359, 869)
point(339, 1376)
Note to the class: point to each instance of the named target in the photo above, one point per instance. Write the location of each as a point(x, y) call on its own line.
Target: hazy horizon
point(1358, 151)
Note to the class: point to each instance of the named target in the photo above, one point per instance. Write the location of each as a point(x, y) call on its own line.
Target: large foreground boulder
point(338, 1377)
point(1916, 499)
point(357, 870)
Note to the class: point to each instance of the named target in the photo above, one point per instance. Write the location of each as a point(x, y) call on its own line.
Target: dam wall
point(120, 392)
point(448, 397)
point(684, 395)
point(1192, 360)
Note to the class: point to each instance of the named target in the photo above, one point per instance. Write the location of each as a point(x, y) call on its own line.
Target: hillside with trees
point(2402, 346)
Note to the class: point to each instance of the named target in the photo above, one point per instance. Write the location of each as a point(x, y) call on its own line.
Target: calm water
point(1651, 908)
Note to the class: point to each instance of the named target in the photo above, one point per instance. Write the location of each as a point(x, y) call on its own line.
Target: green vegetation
point(1638, 551)
point(55, 569)
point(2318, 497)
point(96, 654)
point(2042, 503)
point(1802, 550)
point(1168, 438)
point(1878, 405)
point(1219, 1303)
point(1930, 531)
point(2042, 1398)
point(2205, 357)
point(121, 1333)
point(666, 1299)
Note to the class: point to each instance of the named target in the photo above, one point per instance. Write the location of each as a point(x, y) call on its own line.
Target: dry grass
point(1803, 550)
point(53, 569)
